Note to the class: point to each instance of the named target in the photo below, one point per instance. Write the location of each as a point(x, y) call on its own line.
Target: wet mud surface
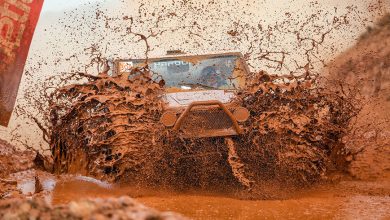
point(344, 200)
point(328, 204)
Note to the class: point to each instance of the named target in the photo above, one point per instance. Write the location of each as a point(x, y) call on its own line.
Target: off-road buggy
point(199, 91)
point(119, 128)
point(113, 126)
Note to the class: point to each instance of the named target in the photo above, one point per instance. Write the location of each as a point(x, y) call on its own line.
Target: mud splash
point(238, 168)
point(109, 128)
point(295, 130)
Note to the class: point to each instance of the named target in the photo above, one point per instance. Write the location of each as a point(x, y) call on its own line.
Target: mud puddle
point(345, 200)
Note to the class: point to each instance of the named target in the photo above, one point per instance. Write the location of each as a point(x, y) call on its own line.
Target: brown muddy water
point(344, 200)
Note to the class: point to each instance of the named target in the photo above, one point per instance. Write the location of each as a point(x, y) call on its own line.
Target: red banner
point(18, 19)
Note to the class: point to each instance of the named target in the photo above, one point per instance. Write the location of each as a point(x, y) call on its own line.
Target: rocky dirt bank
point(366, 66)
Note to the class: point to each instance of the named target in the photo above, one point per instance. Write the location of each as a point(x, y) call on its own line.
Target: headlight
point(241, 114)
point(168, 119)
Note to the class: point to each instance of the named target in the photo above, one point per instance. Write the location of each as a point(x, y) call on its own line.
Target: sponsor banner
point(18, 19)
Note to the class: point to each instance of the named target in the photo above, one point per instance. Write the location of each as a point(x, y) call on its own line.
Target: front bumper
point(205, 119)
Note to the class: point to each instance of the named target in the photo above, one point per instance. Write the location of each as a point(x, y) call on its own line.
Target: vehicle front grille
point(203, 120)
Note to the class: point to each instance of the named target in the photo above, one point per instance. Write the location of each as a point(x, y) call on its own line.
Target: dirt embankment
point(367, 66)
point(12, 161)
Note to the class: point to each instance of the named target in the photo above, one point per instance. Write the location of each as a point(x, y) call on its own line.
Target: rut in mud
point(109, 128)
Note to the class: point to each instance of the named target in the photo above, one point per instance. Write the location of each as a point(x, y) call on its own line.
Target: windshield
point(194, 72)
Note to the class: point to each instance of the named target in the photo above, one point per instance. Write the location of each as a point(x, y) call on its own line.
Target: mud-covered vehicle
point(122, 124)
point(184, 121)
point(199, 91)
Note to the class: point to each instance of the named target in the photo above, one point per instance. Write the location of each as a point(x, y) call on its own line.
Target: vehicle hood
point(180, 99)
